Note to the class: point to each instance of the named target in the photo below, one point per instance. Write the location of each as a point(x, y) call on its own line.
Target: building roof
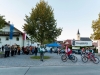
point(85, 39)
point(78, 32)
point(8, 23)
point(14, 28)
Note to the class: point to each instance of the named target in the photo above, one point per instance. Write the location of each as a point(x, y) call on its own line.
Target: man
point(8, 53)
point(6, 50)
point(2, 48)
point(83, 51)
point(41, 51)
point(68, 51)
point(36, 50)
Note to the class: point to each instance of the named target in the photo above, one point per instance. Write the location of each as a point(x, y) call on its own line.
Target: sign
point(82, 43)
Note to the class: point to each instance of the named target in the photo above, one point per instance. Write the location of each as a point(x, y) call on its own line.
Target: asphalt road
point(52, 70)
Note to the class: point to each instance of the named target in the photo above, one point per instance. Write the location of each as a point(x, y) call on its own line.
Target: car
point(79, 51)
point(76, 51)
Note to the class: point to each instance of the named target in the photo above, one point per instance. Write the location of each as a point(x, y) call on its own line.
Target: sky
point(71, 15)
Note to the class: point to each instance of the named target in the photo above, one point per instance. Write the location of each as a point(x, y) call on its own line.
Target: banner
point(11, 31)
point(82, 43)
point(24, 36)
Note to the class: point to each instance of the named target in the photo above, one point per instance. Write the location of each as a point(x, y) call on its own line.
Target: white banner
point(82, 43)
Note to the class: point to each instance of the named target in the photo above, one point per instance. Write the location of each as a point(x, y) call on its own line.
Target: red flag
point(24, 36)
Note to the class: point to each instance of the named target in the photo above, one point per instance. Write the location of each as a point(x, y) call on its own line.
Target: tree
point(2, 21)
point(96, 29)
point(41, 23)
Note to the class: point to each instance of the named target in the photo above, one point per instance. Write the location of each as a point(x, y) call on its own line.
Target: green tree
point(2, 21)
point(96, 29)
point(41, 23)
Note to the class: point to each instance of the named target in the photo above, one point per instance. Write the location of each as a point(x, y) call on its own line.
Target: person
point(2, 48)
point(6, 50)
point(87, 51)
point(15, 49)
point(58, 51)
point(41, 51)
point(92, 51)
point(12, 50)
point(33, 50)
point(83, 51)
point(68, 51)
point(36, 50)
point(23, 50)
point(18, 50)
point(51, 50)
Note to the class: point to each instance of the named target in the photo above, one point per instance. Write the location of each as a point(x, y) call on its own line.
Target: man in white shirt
point(41, 50)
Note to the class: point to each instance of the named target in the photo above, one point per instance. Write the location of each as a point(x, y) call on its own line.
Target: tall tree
point(2, 21)
point(41, 23)
point(96, 29)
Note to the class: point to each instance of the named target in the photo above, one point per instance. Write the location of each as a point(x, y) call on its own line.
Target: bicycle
point(91, 57)
point(65, 57)
point(61, 52)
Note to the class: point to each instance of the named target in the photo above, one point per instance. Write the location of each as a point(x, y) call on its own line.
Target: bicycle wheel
point(64, 58)
point(84, 59)
point(96, 60)
point(73, 59)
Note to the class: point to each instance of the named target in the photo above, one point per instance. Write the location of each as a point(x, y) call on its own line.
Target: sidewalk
point(25, 61)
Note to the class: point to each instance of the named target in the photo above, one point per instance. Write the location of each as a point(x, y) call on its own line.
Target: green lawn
point(1, 52)
point(38, 57)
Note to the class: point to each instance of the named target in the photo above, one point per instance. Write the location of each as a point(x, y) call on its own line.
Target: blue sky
point(71, 15)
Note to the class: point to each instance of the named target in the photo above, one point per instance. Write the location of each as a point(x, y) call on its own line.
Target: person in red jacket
point(68, 51)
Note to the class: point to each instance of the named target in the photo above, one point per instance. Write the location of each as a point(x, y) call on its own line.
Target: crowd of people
point(16, 50)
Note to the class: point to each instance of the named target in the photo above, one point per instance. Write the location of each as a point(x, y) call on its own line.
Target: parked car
point(79, 51)
point(62, 51)
point(76, 51)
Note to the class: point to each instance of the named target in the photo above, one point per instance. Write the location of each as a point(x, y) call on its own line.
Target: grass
point(38, 57)
point(1, 52)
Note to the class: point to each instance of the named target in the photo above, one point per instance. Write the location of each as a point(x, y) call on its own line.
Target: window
point(17, 39)
point(7, 38)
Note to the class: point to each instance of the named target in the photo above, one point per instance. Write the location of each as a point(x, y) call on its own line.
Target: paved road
point(52, 70)
point(23, 65)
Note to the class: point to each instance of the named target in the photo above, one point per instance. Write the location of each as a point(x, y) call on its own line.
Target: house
point(17, 36)
point(68, 42)
point(95, 44)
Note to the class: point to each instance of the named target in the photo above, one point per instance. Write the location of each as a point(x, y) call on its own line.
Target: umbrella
point(53, 45)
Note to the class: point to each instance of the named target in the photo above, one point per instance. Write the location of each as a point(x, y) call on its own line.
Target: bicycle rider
point(82, 51)
point(89, 52)
point(68, 51)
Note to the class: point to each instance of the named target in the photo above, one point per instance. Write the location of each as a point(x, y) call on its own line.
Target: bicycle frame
point(90, 56)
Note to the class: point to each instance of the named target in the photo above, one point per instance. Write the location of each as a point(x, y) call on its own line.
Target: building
point(68, 42)
point(81, 41)
point(19, 37)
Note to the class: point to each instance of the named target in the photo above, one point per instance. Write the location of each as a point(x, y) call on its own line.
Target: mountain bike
point(90, 57)
point(65, 57)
